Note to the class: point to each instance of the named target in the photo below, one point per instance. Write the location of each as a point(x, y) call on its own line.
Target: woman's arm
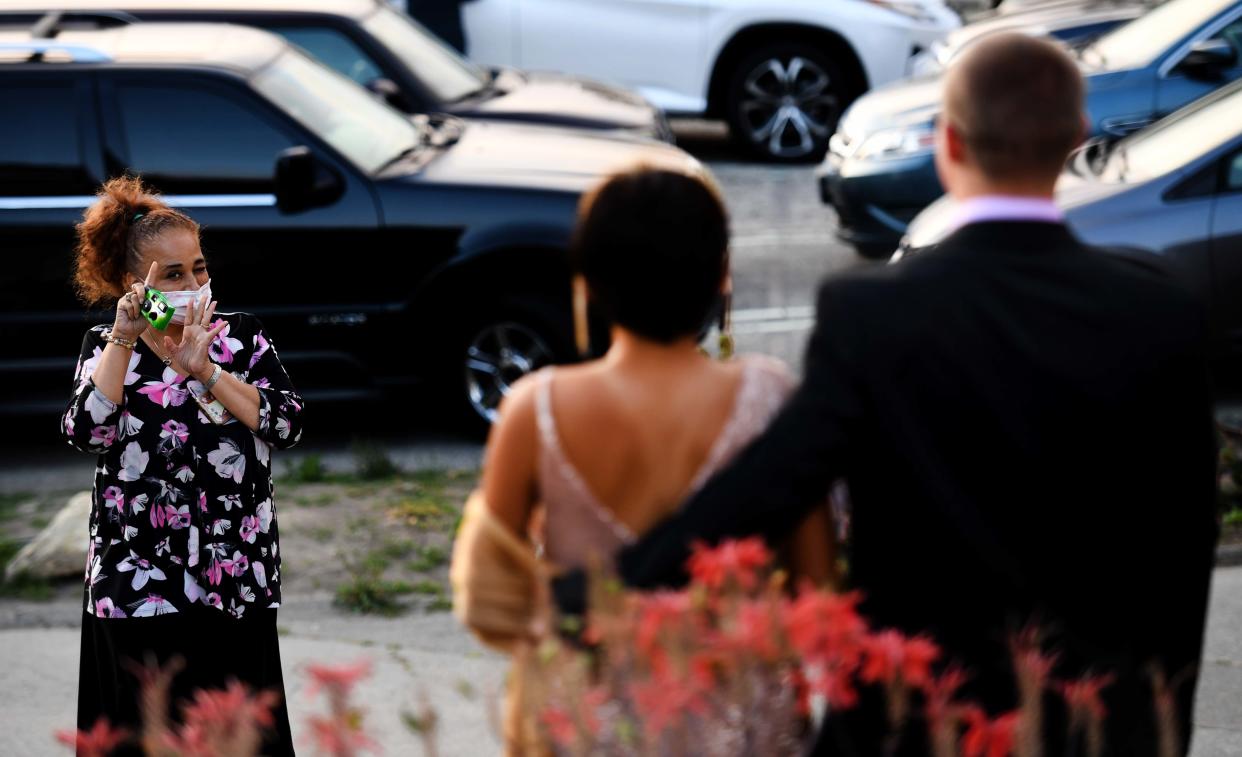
point(266, 402)
point(109, 374)
point(509, 465)
point(268, 398)
point(90, 423)
point(813, 550)
point(111, 371)
point(239, 398)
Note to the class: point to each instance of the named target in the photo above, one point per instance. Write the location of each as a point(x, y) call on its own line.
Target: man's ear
point(954, 145)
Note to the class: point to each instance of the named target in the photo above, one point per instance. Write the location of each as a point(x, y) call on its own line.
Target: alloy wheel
point(497, 357)
point(788, 106)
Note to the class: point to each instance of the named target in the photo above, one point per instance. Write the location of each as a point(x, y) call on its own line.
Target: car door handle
point(1123, 125)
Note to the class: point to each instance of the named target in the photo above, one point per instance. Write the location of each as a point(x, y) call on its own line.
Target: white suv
point(779, 71)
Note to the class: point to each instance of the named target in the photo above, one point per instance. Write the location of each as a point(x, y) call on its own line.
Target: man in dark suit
point(1025, 425)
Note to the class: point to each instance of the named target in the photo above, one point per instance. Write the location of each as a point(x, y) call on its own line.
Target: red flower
point(889, 655)
point(664, 699)
point(823, 626)
point(826, 631)
point(223, 709)
point(99, 741)
point(751, 630)
point(1083, 696)
point(836, 683)
point(190, 741)
point(740, 561)
point(940, 692)
point(560, 726)
point(882, 654)
point(338, 737)
point(337, 680)
point(656, 613)
point(989, 738)
point(1031, 664)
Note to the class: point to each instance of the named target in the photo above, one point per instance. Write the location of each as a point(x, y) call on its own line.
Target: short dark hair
point(1017, 103)
point(653, 247)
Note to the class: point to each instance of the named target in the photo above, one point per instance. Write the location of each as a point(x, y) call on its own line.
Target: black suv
point(379, 250)
point(390, 54)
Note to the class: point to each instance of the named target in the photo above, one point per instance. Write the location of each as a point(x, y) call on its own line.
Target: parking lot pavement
point(39, 654)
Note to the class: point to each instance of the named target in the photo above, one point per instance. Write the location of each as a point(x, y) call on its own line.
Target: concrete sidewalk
point(39, 654)
point(409, 656)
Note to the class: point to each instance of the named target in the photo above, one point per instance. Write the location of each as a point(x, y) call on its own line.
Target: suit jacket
point(1026, 428)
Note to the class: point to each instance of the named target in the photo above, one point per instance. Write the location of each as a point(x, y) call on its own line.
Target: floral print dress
point(183, 511)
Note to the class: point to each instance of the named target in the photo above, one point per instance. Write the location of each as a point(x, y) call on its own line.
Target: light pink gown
point(577, 525)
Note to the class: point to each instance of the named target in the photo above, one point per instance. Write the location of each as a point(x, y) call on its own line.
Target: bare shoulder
point(517, 408)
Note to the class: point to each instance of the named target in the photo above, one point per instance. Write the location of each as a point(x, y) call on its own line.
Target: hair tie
point(136, 217)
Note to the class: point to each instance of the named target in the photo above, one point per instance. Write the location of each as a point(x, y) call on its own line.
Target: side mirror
point(1208, 60)
point(386, 90)
point(304, 182)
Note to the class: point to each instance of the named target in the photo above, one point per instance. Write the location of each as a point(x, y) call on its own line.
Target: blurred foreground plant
point(732, 664)
point(228, 722)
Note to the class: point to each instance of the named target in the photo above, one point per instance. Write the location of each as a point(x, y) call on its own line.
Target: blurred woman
point(611, 447)
point(184, 558)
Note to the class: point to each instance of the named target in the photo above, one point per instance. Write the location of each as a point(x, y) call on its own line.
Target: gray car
point(1173, 190)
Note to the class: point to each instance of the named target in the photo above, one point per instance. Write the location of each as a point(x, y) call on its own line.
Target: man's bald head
point(1015, 104)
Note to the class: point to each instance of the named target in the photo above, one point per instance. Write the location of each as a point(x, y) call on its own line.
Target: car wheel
point(784, 101)
point(498, 351)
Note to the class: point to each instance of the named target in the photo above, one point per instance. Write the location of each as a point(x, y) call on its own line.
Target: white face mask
point(183, 299)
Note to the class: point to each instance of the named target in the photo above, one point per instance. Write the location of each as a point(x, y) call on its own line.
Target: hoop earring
point(727, 344)
point(582, 325)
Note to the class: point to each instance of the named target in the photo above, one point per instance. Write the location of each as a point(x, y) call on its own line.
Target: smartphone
point(213, 408)
point(157, 309)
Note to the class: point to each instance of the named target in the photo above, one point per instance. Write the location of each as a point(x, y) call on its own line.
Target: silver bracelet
point(215, 376)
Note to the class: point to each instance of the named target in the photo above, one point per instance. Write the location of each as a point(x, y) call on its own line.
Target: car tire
point(498, 349)
point(784, 100)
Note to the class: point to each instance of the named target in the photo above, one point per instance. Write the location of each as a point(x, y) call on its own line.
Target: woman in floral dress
point(184, 559)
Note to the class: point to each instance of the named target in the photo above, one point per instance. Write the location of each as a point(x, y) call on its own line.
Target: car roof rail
point(38, 48)
point(53, 23)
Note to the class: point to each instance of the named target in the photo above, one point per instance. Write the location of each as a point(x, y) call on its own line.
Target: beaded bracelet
point(128, 344)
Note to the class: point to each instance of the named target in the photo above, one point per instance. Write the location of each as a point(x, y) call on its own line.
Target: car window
point(447, 75)
point(194, 139)
point(334, 49)
point(1143, 40)
point(40, 146)
point(1177, 140)
point(1233, 179)
point(367, 132)
point(1233, 35)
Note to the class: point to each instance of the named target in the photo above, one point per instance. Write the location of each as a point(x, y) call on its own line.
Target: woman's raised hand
point(197, 334)
point(129, 322)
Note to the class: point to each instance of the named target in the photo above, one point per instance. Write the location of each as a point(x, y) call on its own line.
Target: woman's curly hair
point(113, 232)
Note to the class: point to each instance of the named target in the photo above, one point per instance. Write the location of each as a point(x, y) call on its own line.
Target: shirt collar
point(1005, 208)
